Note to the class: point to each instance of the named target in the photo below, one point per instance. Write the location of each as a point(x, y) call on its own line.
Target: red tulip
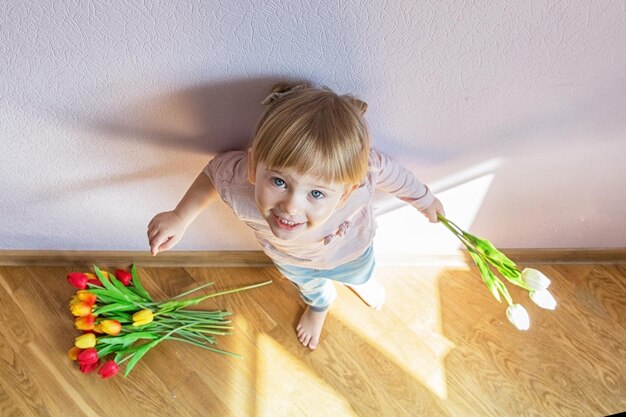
point(77, 280)
point(109, 369)
point(85, 323)
point(112, 327)
point(87, 357)
point(124, 276)
point(88, 368)
point(95, 281)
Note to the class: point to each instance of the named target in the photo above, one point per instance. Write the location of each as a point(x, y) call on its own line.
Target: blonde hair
point(314, 131)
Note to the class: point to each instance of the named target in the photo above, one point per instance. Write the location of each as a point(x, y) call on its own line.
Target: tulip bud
point(91, 276)
point(543, 299)
point(86, 296)
point(85, 323)
point(112, 327)
point(85, 341)
point(97, 328)
point(142, 317)
point(95, 282)
point(73, 353)
point(87, 357)
point(518, 315)
point(88, 368)
point(124, 276)
point(534, 279)
point(109, 369)
point(80, 309)
point(77, 280)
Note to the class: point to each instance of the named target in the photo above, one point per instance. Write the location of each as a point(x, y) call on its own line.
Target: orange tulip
point(73, 352)
point(85, 323)
point(97, 328)
point(90, 275)
point(85, 341)
point(80, 309)
point(86, 296)
point(112, 327)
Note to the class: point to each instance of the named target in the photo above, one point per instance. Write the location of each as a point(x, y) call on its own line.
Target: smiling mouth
point(284, 223)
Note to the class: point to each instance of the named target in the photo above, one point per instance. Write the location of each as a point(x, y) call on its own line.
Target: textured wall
point(108, 110)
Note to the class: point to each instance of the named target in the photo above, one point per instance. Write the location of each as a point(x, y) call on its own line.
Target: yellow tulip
point(142, 317)
point(85, 341)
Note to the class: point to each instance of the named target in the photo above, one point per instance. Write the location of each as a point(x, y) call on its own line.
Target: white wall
point(108, 110)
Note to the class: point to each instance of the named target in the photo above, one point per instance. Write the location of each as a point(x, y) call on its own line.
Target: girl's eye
point(317, 194)
point(278, 182)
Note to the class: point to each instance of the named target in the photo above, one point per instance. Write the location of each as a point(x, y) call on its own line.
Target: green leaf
point(139, 289)
point(107, 296)
point(505, 292)
point(127, 338)
point(487, 275)
point(141, 351)
point(114, 307)
point(126, 291)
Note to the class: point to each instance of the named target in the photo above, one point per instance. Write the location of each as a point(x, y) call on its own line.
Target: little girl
point(305, 187)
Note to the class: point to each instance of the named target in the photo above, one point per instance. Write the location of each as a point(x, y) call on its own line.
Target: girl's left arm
point(392, 177)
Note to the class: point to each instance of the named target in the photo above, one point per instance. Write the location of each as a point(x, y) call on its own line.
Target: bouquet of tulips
point(120, 320)
point(487, 257)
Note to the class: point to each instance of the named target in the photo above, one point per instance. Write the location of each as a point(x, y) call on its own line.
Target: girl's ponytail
point(280, 90)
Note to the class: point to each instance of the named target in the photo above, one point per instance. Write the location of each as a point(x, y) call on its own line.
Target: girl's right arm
point(166, 229)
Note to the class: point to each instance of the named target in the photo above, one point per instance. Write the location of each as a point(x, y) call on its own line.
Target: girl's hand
point(431, 211)
point(164, 231)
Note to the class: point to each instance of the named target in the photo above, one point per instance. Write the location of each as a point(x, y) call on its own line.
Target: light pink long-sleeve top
point(346, 234)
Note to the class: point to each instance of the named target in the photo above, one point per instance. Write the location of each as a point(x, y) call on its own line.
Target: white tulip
point(518, 315)
point(543, 299)
point(534, 279)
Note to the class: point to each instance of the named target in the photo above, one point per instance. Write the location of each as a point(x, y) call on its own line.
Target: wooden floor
point(440, 347)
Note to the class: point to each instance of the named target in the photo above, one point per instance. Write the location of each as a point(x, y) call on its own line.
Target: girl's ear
point(251, 169)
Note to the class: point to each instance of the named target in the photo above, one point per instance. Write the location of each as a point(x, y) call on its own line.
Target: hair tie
point(273, 97)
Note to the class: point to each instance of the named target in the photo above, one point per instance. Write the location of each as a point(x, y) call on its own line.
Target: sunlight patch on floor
point(408, 328)
point(240, 396)
point(287, 387)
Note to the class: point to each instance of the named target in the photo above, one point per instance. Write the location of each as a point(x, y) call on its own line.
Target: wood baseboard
point(143, 258)
point(259, 259)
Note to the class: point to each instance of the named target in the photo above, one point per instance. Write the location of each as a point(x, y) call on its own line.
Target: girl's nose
point(290, 205)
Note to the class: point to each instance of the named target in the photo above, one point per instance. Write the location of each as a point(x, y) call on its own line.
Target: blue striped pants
point(315, 285)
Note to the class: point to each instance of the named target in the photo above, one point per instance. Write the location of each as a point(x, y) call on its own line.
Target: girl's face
point(292, 203)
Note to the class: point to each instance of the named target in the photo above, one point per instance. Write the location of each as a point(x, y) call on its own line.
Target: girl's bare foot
point(310, 327)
